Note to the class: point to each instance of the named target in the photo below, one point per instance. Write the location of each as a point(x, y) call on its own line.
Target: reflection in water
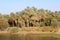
point(27, 37)
point(42, 38)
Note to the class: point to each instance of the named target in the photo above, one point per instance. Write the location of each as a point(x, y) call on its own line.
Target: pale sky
point(7, 6)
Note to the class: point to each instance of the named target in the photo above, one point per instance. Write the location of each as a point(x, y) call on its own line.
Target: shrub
point(6, 25)
point(13, 30)
point(42, 24)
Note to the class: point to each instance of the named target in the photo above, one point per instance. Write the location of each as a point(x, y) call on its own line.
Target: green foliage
point(14, 30)
point(50, 18)
point(54, 23)
point(6, 25)
point(42, 24)
point(48, 21)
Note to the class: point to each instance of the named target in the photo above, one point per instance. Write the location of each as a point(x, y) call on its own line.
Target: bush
point(42, 24)
point(13, 30)
point(6, 25)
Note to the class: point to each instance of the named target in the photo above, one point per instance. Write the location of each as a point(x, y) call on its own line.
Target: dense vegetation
point(32, 17)
point(30, 20)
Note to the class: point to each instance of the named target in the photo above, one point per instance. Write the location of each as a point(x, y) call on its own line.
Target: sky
point(8, 6)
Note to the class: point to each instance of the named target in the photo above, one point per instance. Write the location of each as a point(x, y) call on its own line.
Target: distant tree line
point(32, 17)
